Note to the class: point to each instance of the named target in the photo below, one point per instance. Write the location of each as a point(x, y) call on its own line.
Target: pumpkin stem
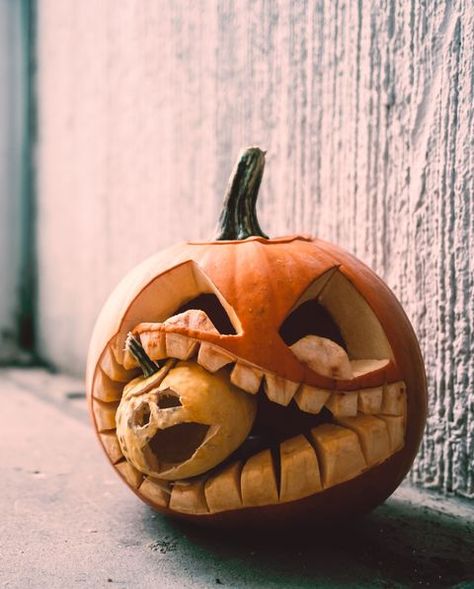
point(135, 348)
point(238, 219)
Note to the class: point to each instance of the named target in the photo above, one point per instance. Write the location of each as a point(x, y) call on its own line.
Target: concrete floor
point(68, 521)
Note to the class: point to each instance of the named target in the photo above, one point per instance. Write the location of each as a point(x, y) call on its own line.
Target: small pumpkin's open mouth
point(303, 440)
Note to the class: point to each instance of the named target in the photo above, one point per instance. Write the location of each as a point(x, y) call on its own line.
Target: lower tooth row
point(332, 455)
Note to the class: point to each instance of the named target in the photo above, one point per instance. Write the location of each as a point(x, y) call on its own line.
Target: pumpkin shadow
point(397, 545)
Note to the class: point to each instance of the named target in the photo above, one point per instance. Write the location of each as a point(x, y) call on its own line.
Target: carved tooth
point(158, 492)
point(258, 480)
point(133, 476)
point(180, 346)
point(195, 319)
point(189, 498)
point(154, 344)
point(105, 389)
point(311, 399)
point(116, 346)
point(104, 414)
point(111, 446)
point(129, 362)
point(323, 356)
point(211, 358)
point(342, 404)
point(394, 399)
point(360, 367)
point(373, 436)
point(339, 452)
point(159, 344)
point(112, 368)
point(299, 469)
point(222, 491)
point(246, 377)
point(370, 400)
point(396, 431)
point(279, 390)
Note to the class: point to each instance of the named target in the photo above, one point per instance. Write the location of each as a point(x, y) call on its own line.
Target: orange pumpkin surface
point(282, 381)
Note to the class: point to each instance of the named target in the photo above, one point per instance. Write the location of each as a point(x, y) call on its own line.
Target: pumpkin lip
point(264, 240)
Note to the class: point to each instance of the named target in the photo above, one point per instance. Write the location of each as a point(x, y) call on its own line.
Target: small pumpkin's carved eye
point(168, 399)
point(214, 309)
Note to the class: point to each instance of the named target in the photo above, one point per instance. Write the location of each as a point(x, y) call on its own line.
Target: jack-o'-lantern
point(251, 381)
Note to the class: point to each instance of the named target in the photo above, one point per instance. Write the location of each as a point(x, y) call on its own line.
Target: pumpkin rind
point(293, 263)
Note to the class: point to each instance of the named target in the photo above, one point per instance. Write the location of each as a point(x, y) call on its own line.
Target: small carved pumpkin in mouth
point(255, 381)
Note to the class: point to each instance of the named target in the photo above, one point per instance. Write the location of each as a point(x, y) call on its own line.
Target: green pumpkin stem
point(135, 348)
point(238, 219)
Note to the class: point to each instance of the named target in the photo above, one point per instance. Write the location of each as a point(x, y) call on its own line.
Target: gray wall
point(365, 109)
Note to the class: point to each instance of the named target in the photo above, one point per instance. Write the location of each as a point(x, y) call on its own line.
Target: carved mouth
point(304, 439)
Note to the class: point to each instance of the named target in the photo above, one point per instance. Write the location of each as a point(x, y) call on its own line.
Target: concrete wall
point(365, 109)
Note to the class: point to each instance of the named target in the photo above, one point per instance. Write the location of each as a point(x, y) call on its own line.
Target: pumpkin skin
point(259, 281)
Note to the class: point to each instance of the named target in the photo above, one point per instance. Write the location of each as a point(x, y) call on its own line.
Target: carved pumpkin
point(252, 381)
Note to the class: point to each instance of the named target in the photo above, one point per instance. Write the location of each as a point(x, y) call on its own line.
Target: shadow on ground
point(398, 545)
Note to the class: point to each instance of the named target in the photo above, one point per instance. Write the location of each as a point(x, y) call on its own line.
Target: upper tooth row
point(389, 399)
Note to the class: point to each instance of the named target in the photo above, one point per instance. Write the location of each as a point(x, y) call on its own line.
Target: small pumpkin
point(252, 381)
point(182, 421)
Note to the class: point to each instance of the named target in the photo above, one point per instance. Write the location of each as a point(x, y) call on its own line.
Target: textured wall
point(365, 109)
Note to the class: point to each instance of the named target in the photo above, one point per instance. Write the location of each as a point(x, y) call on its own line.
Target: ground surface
point(67, 520)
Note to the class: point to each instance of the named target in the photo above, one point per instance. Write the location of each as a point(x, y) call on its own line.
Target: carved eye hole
point(316, 340)
point(310, 318)
point(334, 331)
point(211, 305)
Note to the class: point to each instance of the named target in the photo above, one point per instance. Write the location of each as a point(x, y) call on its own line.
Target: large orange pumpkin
point(252, 381)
